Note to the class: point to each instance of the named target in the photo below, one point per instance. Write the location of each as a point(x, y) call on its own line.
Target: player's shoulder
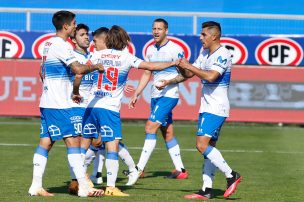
point(173, 45)
point(224, 52)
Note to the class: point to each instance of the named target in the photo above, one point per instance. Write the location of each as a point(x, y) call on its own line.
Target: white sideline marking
point(163, 149)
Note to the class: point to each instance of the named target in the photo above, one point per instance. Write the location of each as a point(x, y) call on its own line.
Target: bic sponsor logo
point(130, 48)
point(238, 50)
point(184, 46)
point(279, 51)
point(40, 42)
point(11, 46)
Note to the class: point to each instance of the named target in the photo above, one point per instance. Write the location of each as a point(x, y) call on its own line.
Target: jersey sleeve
point(133, 60)
point(221, 63)
point(64, 53)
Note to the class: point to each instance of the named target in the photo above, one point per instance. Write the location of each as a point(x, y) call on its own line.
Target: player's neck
point(83, 51)
point(62, 35)
point(213, 48)
point(163, 42)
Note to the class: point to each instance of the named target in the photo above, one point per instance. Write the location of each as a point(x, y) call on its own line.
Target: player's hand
point(128, 88)
point(176, 62)
point(99, 67)
point(133, 101)
point(183, 63)
point(76, 98)
point(161, 84)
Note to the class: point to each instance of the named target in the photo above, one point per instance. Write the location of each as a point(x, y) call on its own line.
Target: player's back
point(166, 53)
point(108, 86)
point(57, 85)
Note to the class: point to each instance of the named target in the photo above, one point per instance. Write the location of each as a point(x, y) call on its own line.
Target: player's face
point(82, 38)
point(206, 38)
point(159, 32)
point(71, 28)
point(100, 42)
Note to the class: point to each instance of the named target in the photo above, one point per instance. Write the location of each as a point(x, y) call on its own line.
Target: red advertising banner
point(257, 93)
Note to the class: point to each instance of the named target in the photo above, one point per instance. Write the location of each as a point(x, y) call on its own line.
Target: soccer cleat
point(97, 179)
point(203, 195)
point(39, 192)
point(73, 187)
point(178, 174)
point(133, 176)
point(114, 191)
point(232, 183)
point(89, 192)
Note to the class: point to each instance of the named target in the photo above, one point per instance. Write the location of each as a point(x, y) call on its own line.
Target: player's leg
point(174, 150)
point(96, 176)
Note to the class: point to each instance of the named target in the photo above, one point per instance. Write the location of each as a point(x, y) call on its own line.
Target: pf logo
point(279, 51)
point(11, 46)
point(38, 45)
point(131, 48)
point(184, 46)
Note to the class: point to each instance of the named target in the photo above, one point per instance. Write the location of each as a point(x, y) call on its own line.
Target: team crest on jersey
point(279, 51)
point(184, 46)
point(39, 43)
point(11, 46)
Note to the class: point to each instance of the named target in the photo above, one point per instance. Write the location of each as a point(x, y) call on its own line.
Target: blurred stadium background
point(266, 41)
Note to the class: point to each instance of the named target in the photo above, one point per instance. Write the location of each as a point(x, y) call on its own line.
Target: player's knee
point(151, 127)
point(201, 147)
point(96, 142)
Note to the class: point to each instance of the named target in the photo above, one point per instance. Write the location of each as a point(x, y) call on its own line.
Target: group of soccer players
point(82, 95)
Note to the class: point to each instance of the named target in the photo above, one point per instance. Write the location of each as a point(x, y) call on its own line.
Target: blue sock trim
point(112, 155)
point(73, 150)
point(171, 143)
point(95, 149)
point(42, 151)
point(83, 150)
point(207, 151)
point(150, 136)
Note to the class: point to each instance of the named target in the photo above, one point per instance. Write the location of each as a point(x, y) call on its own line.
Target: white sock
point(112, 168)
point(126, 157)
point(150, 143)
point(99, 161)
point(174, 151)
point(75, 161)
point(208, 174)
point(217, 159)
point(39, 162)
point(89, 157)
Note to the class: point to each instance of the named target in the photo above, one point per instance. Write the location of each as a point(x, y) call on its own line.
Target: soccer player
point(57, 115)
point(162, 103)
point(102, 114)
point(213, 67)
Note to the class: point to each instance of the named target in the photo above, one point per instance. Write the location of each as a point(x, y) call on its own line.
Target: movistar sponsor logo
point(220, 60)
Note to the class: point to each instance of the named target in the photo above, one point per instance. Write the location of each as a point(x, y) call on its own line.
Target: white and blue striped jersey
point(86, 82)
point(57, 85)
point(166, 53)
point(108, 87)
point(214, 98)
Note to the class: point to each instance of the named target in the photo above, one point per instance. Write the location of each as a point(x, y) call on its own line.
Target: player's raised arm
point(78, 68)
point(152, 66)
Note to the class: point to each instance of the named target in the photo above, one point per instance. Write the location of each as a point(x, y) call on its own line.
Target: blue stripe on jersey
point(223, 80)
point(56, 70)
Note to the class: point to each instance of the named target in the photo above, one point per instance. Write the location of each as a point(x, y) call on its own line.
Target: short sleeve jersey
point(57, 85)
point(214, 98)
point(108, 88)
point(166, 53)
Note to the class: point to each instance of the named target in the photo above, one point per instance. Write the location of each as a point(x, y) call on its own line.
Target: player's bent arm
point(78, 68)
point(77, 81)
point(207, 75)
point(144, 80)
point(156, 65)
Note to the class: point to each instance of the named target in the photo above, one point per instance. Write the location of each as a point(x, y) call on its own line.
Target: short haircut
point(212, 24)
point(82, 26)
point(100, 30)
point(163, 21)
point(62, 17)
point(117, 38)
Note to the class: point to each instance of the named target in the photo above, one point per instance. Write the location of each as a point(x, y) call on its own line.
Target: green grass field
point(270, 158)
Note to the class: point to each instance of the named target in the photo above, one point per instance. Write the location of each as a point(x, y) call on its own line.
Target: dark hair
point(100, 30)
point(212, 24)
point(82, 26)
point(62, 17)
point(117, 38)
point(163, 21)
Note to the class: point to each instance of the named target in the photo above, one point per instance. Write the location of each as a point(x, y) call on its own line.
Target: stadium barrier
point(257, 93)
